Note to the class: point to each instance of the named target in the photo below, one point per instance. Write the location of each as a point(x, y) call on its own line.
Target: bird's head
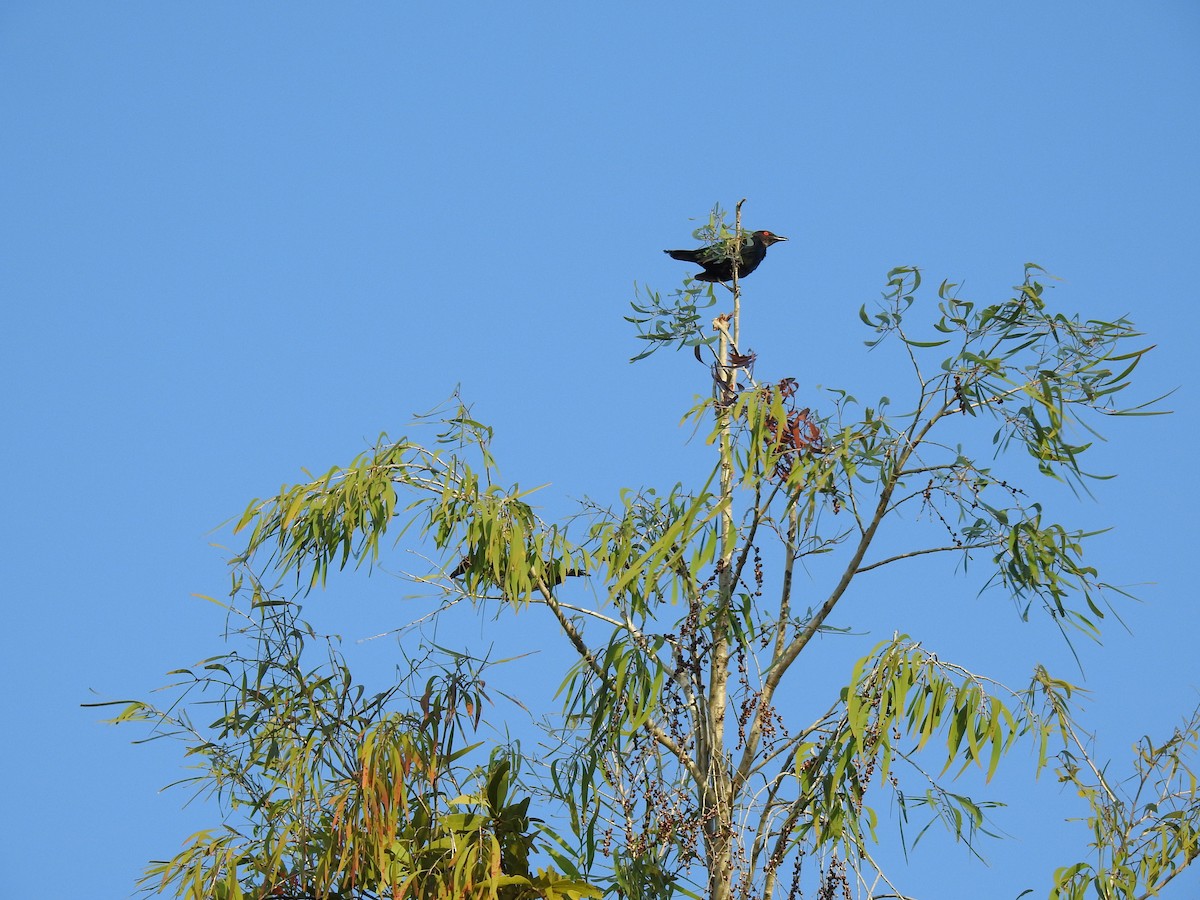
point(768, 237)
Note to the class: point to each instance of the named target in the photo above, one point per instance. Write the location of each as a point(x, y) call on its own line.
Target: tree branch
point(912, 553)
point(576, 639)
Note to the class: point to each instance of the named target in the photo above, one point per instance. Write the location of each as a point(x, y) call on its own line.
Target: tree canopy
point(686, 756)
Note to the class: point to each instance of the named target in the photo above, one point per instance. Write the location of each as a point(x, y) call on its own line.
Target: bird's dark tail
point(692, 256)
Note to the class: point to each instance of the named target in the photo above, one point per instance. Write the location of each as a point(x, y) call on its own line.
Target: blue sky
point(241, 239)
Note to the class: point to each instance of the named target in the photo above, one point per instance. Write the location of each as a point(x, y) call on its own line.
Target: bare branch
point(965, 548)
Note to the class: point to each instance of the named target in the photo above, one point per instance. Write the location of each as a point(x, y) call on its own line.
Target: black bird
point(718, 266)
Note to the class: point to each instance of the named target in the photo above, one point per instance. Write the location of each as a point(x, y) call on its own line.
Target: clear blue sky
point(237, 239)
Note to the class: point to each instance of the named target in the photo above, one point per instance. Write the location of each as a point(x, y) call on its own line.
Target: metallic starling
point(718, 266)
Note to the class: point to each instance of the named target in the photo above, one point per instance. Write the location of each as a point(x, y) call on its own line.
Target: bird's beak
point(777, 237)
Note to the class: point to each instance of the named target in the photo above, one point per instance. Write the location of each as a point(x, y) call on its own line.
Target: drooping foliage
point(687, 756)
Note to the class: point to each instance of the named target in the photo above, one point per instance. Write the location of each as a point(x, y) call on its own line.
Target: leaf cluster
point(331, 792)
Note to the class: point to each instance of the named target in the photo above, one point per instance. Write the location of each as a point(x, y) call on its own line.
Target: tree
point(672, 766)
